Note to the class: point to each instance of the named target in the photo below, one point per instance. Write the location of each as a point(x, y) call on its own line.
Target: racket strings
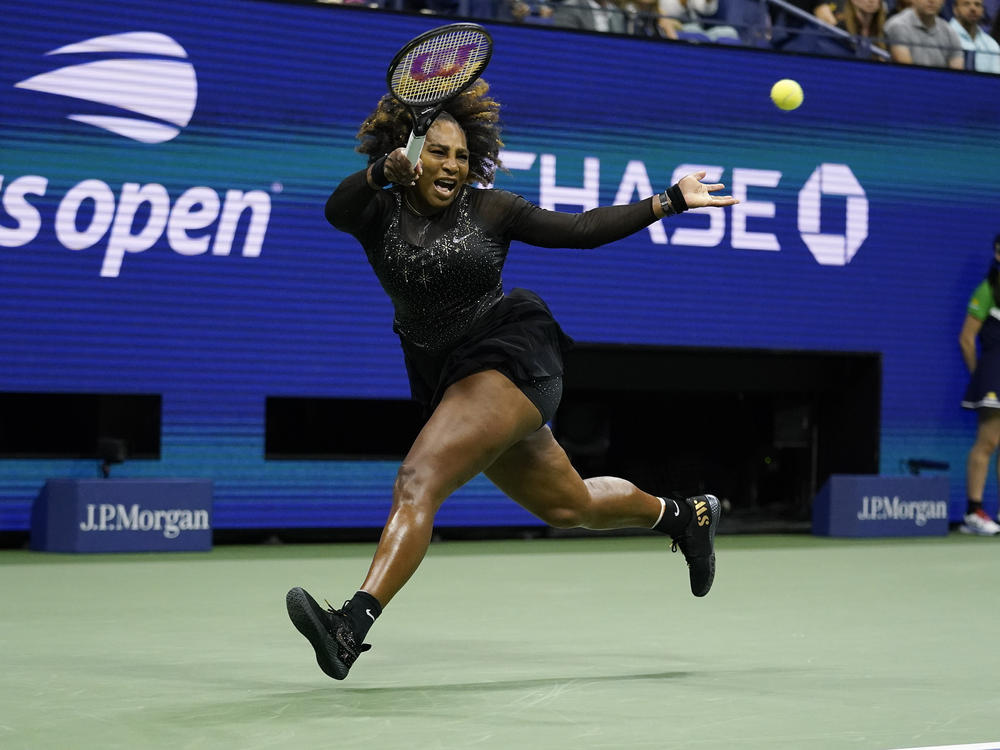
point(439, 67)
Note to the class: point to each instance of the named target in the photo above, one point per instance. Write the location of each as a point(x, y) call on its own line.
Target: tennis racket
point(434, 68)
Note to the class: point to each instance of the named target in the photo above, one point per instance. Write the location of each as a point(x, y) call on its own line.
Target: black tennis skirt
point(983, 390)
point(518, 337)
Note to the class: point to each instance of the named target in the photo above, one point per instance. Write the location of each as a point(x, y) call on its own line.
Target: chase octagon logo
point(154, 82)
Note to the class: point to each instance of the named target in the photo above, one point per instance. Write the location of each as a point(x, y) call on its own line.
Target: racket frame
point(423, 114)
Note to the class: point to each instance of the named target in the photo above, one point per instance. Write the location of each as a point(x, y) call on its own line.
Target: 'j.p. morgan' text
point(108, 517)
point(881, 508)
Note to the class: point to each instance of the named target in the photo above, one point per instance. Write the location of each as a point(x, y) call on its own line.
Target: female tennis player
point(487, 366)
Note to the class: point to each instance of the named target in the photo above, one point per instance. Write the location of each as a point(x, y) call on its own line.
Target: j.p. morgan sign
point(123, 515)
point(861, 505)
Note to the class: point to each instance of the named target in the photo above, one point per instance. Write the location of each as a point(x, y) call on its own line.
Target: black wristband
point(377, 172)
point(665, 205)
point(676, 198)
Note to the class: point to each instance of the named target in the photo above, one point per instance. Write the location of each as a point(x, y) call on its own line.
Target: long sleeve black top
point(442, 272)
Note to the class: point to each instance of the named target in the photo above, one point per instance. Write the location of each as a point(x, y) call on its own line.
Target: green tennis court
point(562, 643)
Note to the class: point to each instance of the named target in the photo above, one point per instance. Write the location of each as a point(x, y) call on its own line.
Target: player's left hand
point(697, 194)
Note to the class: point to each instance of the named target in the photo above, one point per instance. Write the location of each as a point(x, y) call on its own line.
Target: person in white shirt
point(965, 20)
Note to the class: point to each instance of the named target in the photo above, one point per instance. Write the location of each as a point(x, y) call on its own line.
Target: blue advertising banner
point(165, 165)
point(123, 515)
point(874, 506)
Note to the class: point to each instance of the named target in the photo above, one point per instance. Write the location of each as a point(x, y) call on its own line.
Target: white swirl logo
point(163, 92)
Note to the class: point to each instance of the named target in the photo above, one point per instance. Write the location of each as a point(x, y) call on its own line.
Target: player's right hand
point(399, 170)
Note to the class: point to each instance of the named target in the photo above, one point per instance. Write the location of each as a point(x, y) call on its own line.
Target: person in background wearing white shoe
point(982, 324)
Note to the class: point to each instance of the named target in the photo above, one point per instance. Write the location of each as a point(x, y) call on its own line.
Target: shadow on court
point(337, 698)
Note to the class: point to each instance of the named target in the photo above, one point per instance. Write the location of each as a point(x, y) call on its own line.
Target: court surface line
point(977, 746)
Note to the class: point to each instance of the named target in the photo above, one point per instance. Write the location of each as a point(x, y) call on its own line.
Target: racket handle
point(413, 148)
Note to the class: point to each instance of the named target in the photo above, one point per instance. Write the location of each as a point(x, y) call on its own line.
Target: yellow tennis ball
point(786, 94)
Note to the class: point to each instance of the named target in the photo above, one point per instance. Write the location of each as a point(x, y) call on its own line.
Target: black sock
point(675, 518)
point(363, 609)
point(973, 506)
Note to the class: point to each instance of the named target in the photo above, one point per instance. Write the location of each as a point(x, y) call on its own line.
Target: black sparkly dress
point(443, 274)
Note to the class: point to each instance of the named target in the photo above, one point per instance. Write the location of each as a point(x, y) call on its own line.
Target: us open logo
point(162, 92)
point(146, 77)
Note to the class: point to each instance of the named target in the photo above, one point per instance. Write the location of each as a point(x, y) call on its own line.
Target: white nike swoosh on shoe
point(369, 613)
point(677, 508)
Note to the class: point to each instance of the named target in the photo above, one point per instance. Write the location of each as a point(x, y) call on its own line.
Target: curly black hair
point(388, 127)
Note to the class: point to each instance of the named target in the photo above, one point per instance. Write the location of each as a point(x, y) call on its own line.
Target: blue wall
point(867, 220)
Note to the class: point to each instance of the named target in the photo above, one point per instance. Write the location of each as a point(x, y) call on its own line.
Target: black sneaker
point(329, 632)
point(698, 541)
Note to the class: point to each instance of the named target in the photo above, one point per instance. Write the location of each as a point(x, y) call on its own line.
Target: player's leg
point(478, 419)
point(537, 474)
point(977, 468)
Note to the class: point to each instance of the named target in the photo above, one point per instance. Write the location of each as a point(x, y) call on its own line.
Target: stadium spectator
point(826, 12)
point(919, 36)
point(642, 18)
point(865, 21)
point(438, 7)
point(895, 8)
point(692, 17)
point(983, 49)
point(983, 362)
point(590, 15)
point(525, 11)
point(795, 32)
